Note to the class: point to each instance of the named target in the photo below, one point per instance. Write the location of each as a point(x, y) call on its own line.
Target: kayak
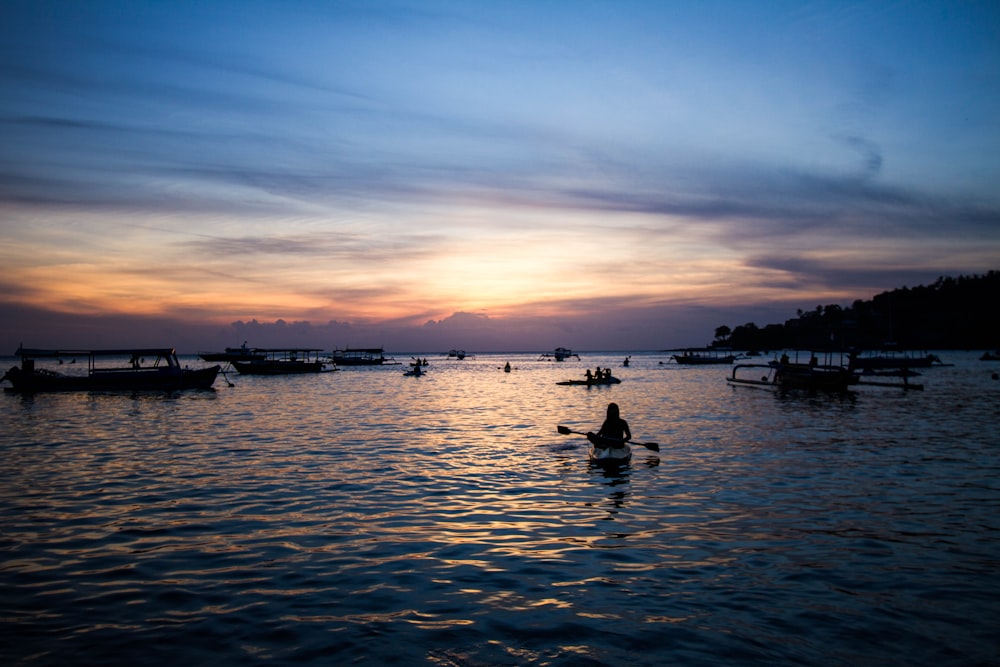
point(589, 383)
point(608, 451)
point(611, 456)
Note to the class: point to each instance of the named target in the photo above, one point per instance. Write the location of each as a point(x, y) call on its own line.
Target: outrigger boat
point(786, 374)
point(559, 354)
point(129, 369)
point(832, 375)
point(362, 356)
point(282, 361)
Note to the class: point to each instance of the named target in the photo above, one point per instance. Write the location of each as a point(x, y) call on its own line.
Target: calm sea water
point(363, 517)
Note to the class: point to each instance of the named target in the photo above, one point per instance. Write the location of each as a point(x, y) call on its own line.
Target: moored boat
point(832, 374)
point(284, 361)
point(812, 375)
point(893, 358)
point(128, 369)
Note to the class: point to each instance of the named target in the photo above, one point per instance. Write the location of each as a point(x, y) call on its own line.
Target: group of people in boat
point(598, 374)
point(417, 366)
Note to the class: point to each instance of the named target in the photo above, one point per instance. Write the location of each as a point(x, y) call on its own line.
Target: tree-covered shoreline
point(950, 314)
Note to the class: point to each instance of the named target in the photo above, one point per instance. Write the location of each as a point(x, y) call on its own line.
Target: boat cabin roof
point(116, 352)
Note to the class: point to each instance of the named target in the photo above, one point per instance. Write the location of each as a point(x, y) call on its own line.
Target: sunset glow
point(575, 172)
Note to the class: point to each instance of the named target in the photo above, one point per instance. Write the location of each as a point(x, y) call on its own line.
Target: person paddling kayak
point(614, 432)
point(611, 442)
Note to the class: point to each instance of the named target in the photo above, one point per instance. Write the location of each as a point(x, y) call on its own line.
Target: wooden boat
point(282, 361)
point(559, 354)
point(362, 356)
point(607, 451)
point(699, 356)
point(242, 353)
point(591, 382)
point(784, 373)
point(129, 369)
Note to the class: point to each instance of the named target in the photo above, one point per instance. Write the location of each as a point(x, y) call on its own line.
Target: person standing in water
point(614, 428)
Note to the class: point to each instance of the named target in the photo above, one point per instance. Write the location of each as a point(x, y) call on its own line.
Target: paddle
point(651, 446)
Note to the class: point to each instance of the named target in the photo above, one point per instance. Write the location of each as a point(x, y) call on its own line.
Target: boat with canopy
point(119, 369)
point(285, 361)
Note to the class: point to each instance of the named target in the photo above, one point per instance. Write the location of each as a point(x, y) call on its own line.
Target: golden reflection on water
point(364, 504)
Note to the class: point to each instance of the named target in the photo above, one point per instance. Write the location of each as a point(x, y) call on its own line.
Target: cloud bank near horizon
point(683, 326)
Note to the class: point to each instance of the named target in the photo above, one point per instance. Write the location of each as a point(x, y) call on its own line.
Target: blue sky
point(484, 175)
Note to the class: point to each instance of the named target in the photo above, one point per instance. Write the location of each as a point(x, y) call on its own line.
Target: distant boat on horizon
point(241, 353)
point(698, 356)
point(362, 356)
point(559, 354)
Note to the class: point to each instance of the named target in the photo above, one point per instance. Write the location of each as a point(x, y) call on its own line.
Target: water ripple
point(368, 518)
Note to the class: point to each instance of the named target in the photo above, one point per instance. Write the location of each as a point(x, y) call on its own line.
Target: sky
point(490, 176)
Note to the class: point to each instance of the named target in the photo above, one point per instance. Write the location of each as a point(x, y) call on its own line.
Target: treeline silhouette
point(951, 314)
